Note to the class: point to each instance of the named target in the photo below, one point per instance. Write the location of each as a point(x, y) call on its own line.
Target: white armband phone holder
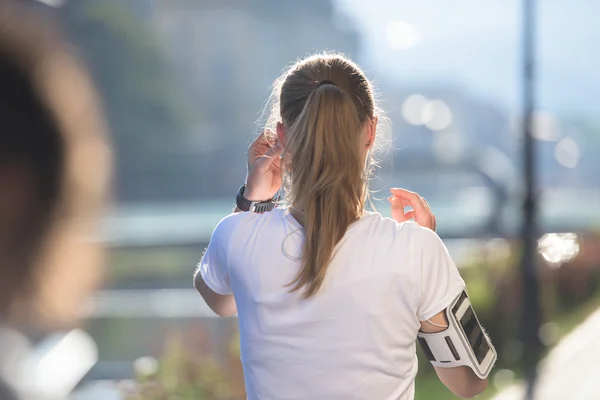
point(462, 343)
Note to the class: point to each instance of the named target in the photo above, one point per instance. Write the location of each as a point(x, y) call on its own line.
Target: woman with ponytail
point(329, 296)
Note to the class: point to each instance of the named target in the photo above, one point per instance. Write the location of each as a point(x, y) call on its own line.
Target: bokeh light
point(145, 366)
point(546, 127)
point(567, 152)
point(412, 109)
point(558, 248)
point(549, 333)
point(402, 35)
point(503, 378)
point(436, 115)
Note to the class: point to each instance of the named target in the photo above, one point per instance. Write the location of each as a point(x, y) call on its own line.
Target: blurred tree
point(187, 371)
point(145, 111)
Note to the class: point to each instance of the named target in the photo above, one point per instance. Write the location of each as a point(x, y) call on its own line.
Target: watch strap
point(253, 206)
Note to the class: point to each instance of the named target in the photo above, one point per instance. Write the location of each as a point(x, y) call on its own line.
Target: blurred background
point(184, 82)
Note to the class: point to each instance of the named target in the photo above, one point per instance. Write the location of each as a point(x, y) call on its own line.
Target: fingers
point(421, 213)
point(261, 145)
point(275, 150)
point(398, 213)
point(409, 215)
point(270, 159)
point(266, 138)
point(414, 200)
point(430, 212)
point(425, 203)
point(397, 209)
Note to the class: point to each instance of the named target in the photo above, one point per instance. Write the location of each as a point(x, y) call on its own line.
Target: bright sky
point(476, 44)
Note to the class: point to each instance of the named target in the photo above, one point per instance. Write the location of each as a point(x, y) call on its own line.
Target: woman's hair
point(324, 102)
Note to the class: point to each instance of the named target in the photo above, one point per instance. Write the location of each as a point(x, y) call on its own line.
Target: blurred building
point(226, 54)
point(448, 122)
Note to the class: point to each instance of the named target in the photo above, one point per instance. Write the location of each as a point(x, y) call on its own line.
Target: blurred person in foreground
point(54, 174)
point(330, 296)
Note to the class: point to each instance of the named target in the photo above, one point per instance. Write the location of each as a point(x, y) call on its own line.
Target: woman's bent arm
point(222, 305)
point(461, 381)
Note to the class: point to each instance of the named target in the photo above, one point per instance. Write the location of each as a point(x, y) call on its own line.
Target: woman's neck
point(298, 214)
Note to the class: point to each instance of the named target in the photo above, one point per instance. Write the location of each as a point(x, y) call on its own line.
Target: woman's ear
point(280, 132)
point(372, 131)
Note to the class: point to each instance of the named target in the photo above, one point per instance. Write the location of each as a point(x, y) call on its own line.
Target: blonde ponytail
point(325, 102)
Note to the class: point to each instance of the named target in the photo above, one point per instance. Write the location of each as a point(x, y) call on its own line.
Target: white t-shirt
point(355, 338)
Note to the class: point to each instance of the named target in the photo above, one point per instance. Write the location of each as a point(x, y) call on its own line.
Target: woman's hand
point(421, 212)
point(264, 168)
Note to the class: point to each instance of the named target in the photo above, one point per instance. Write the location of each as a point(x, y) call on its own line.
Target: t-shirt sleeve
point(439, 280)
point(214, 267)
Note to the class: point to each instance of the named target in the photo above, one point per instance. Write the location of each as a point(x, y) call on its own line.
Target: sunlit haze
point(476, 45)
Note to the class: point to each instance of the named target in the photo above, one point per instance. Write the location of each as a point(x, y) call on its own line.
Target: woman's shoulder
point(233, 220)
point(408, 230)
point(239, 220)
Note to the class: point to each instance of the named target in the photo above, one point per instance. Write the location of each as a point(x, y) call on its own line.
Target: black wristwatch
point(253, 206)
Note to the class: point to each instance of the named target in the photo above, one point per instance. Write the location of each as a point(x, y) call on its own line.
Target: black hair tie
point(325, 82)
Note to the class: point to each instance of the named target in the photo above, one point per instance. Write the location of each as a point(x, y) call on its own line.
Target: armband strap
point(452, 347)
point(447, 354)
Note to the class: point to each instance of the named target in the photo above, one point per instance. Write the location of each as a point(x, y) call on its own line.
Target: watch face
point(263, 207)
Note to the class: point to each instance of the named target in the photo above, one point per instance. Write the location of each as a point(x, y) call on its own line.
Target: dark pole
point(531, 310)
